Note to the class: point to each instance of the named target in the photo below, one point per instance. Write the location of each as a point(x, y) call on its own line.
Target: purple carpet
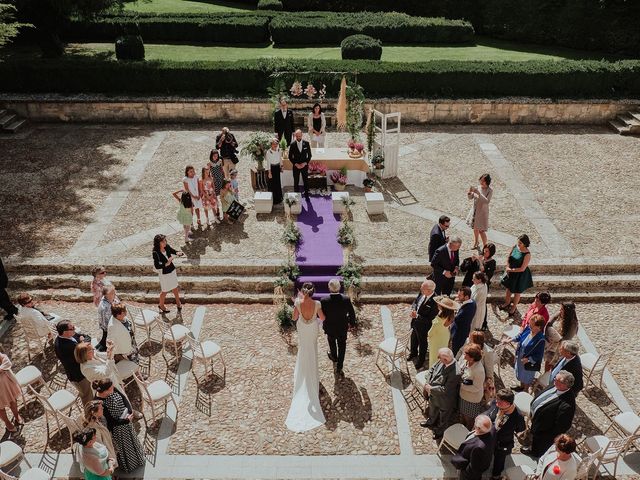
point(319, 256)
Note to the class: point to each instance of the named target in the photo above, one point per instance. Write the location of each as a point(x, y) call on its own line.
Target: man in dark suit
point(283, 122)
point(65, 345)
point(569, 361)
point(340, 317)
point(507, 421)
point(441, 390)
point(438, 236)
point(475, 453)
point(5, 302)
point(445, 263)
point(300, 156)
point(552, 412)
point(423, 311)
point(461, 325)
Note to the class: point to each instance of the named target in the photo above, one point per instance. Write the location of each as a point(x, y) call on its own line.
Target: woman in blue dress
point(517, 276)
point(529, 352)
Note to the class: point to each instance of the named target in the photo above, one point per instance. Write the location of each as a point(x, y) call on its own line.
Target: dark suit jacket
point(441, 262)
point(555, 417)
point(282, 125)
point(461, 325)
point(427, 311)
point(574, 366)
point(296, 156)
point(4, 280)
point(228, 147)
point(339, 315)
point(444, 383)
point(514, 424)
point(160, 260)
point(474, 456)
point(64, 348)
point(436, 239)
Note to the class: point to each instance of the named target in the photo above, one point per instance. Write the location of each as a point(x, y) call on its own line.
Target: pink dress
point(9, 387)
point(209, 197)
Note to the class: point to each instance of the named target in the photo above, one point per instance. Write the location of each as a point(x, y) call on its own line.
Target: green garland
point(355, 110)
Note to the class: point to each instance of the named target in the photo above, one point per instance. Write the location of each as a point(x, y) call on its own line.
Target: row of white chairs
point(11, 455)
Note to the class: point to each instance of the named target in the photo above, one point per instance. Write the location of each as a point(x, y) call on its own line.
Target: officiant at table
point(317, 124)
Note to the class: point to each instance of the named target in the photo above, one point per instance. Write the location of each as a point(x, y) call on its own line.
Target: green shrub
point(273, 5)
point(357, 47)
point(327, 28)
point(130, 47)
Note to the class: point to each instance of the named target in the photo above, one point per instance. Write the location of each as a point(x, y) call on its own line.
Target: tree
point(8, 26)
point(49, 16)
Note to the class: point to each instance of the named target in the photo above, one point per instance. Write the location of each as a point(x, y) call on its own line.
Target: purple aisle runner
point(319, 256)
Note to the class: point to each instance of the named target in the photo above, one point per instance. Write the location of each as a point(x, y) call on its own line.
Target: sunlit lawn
point(186, 6)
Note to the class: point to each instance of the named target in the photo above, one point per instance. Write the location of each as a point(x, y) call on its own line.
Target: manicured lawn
point(186, 6)
point(487, 50)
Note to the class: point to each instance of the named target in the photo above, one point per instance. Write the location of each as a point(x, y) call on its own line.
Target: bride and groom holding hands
point(337, 316)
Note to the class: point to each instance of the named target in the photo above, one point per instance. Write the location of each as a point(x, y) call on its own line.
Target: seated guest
point(479, 263)
point(441, 391)
point(552, 412)
point(529, 352)
point(109, 297)
point(507, 421)
point(64, 346)
point(462, 322)
point(31, 316)
point(475, 453)
point(558, 462)
point(445, 263)
point(472, 386)
point(120, 333)
point(538, 307)
point(562, 326)
point(439, 333)
point(570, 362)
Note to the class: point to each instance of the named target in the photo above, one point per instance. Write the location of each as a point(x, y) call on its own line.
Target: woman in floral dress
point(208, 193)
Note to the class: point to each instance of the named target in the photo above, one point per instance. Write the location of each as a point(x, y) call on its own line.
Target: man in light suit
point(283, 122)
point(441, 390)
point(423, 311)
point(570, 362)
point(552, 412)
point(340, 317)
point(475, 453)
point(438, 236)
point(445, 262)
point(461, 325)
point(300, 156)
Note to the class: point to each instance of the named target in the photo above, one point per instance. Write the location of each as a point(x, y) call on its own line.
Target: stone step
point(16, 125)
point(635, 115)
point(7, 118)
point(619, 126)
point(3, 112)
point(558, 297)
point(628, 119)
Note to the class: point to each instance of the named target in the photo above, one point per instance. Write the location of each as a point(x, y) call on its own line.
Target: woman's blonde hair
point(90, 410)
point(81, 353)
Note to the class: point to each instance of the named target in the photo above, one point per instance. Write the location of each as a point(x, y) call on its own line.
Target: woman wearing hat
point(439, 334)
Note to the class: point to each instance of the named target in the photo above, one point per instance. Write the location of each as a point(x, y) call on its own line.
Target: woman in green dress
point(93, 456)
point(517, 277)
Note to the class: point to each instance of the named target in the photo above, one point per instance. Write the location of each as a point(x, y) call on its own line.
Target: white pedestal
point(338, 198)
point(296, 208)
point(374, 203)
point(263, 202)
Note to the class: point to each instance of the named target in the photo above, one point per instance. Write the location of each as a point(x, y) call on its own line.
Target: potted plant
point(291, 236)
point(351, 273)
point(378, 163)
point(286, 325)
point(346, 238)
point(339, 179)
point(256, 148)
point(283, 148)
point(291, 205)
point(368, 183)
point(317, 175)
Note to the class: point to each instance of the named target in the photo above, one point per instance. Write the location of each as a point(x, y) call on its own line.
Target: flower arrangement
point(378, 161)
point(288, 272)
point(322, 93)
point(359, 147)
point(296, 89)
point(351, 273)
point(257, 146)
point(368, 184)
point(310, 91)
point(351, 144)
point(291, 235)
point(284, 316)
point(346, 235)
point(337, 177)
point(317, 168)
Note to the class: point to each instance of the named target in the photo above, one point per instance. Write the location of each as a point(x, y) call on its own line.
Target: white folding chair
point(594, 366)
point(520, 472)
point(585, 464)
point(72, 424)
point(126, 370)
point(30, 376)
point(156, 394)
point(174, 335)
point(11, 453)
point(541, 382)
point(34, 473)
point(143, 318)
point(394, 349)
point(522, 401)
point(205, 353)
point(57, 402)
point(626, 424)
point(35, 342)
point(453, 437)
point(606, 451)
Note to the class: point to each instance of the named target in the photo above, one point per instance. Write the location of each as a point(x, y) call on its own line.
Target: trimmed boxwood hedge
point(360, 46)
point(270, 5)
point(130, 47)
point(328, 28)
point(450, 79)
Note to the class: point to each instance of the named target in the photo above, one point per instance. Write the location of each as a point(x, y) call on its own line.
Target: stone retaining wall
point(257, 111)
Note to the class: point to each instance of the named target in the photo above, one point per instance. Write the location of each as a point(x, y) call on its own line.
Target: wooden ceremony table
point(334, 159)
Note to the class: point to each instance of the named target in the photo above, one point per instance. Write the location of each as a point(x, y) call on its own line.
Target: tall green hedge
point(330, 28)
point(450, 79)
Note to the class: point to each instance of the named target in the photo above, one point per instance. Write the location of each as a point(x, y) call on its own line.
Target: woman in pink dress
point(9, 393)
point(208, 194)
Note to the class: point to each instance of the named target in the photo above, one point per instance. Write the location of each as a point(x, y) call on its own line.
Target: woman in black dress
point(273, 156)
point(119, 415)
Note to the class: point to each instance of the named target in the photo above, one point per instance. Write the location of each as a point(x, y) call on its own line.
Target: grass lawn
point(186, 6)
point(485, 49)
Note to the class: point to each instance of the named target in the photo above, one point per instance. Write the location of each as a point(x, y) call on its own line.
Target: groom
point(340, 317)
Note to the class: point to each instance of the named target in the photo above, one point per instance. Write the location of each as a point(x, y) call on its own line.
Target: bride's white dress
point(305, 412)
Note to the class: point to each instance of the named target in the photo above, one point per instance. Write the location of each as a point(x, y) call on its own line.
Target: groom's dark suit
point(300, 155)
point(339, 315)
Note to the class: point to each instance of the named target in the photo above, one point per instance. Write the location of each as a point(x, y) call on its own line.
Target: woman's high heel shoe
point(163, 310)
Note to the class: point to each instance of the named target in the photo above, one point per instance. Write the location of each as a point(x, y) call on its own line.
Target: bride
point(305, 412)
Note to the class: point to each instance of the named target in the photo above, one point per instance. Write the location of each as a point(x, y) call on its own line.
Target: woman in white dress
point(190, 182)
point(479, 293)
point(305, 412)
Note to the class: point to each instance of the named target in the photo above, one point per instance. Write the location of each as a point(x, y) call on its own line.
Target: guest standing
point(517, 276)
point(93, 456)
point(121, 335)
point(99, 274)
point(119, 415)
point(227, 144)
point(64, 346)
point(9, 393)
point(190, 184)
point(479, 295)
point(300, 156)
point(317, 124)
point(163, 256)
point(475, 453)
point(478, 217)
point(109, 297)
point(97, 365)
point(441, 390)
point(529, 352)
point(5, 301)
point(472, 387)
point(94, 418)
point(340, 317)
point(537, 307)
point(445, 263)
point(283, 122)
point(439, 333)
point(563, 326)
point(558, 462)
point(462, 321)
point(438, 235)
point(226, 200)
point(208, 193)
point(569, 362)
point(216, 170)
point(488, 362)
point(479, 263)
point(423, 311)
point(507, 421)
point(274, 160)
point(184, 216)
